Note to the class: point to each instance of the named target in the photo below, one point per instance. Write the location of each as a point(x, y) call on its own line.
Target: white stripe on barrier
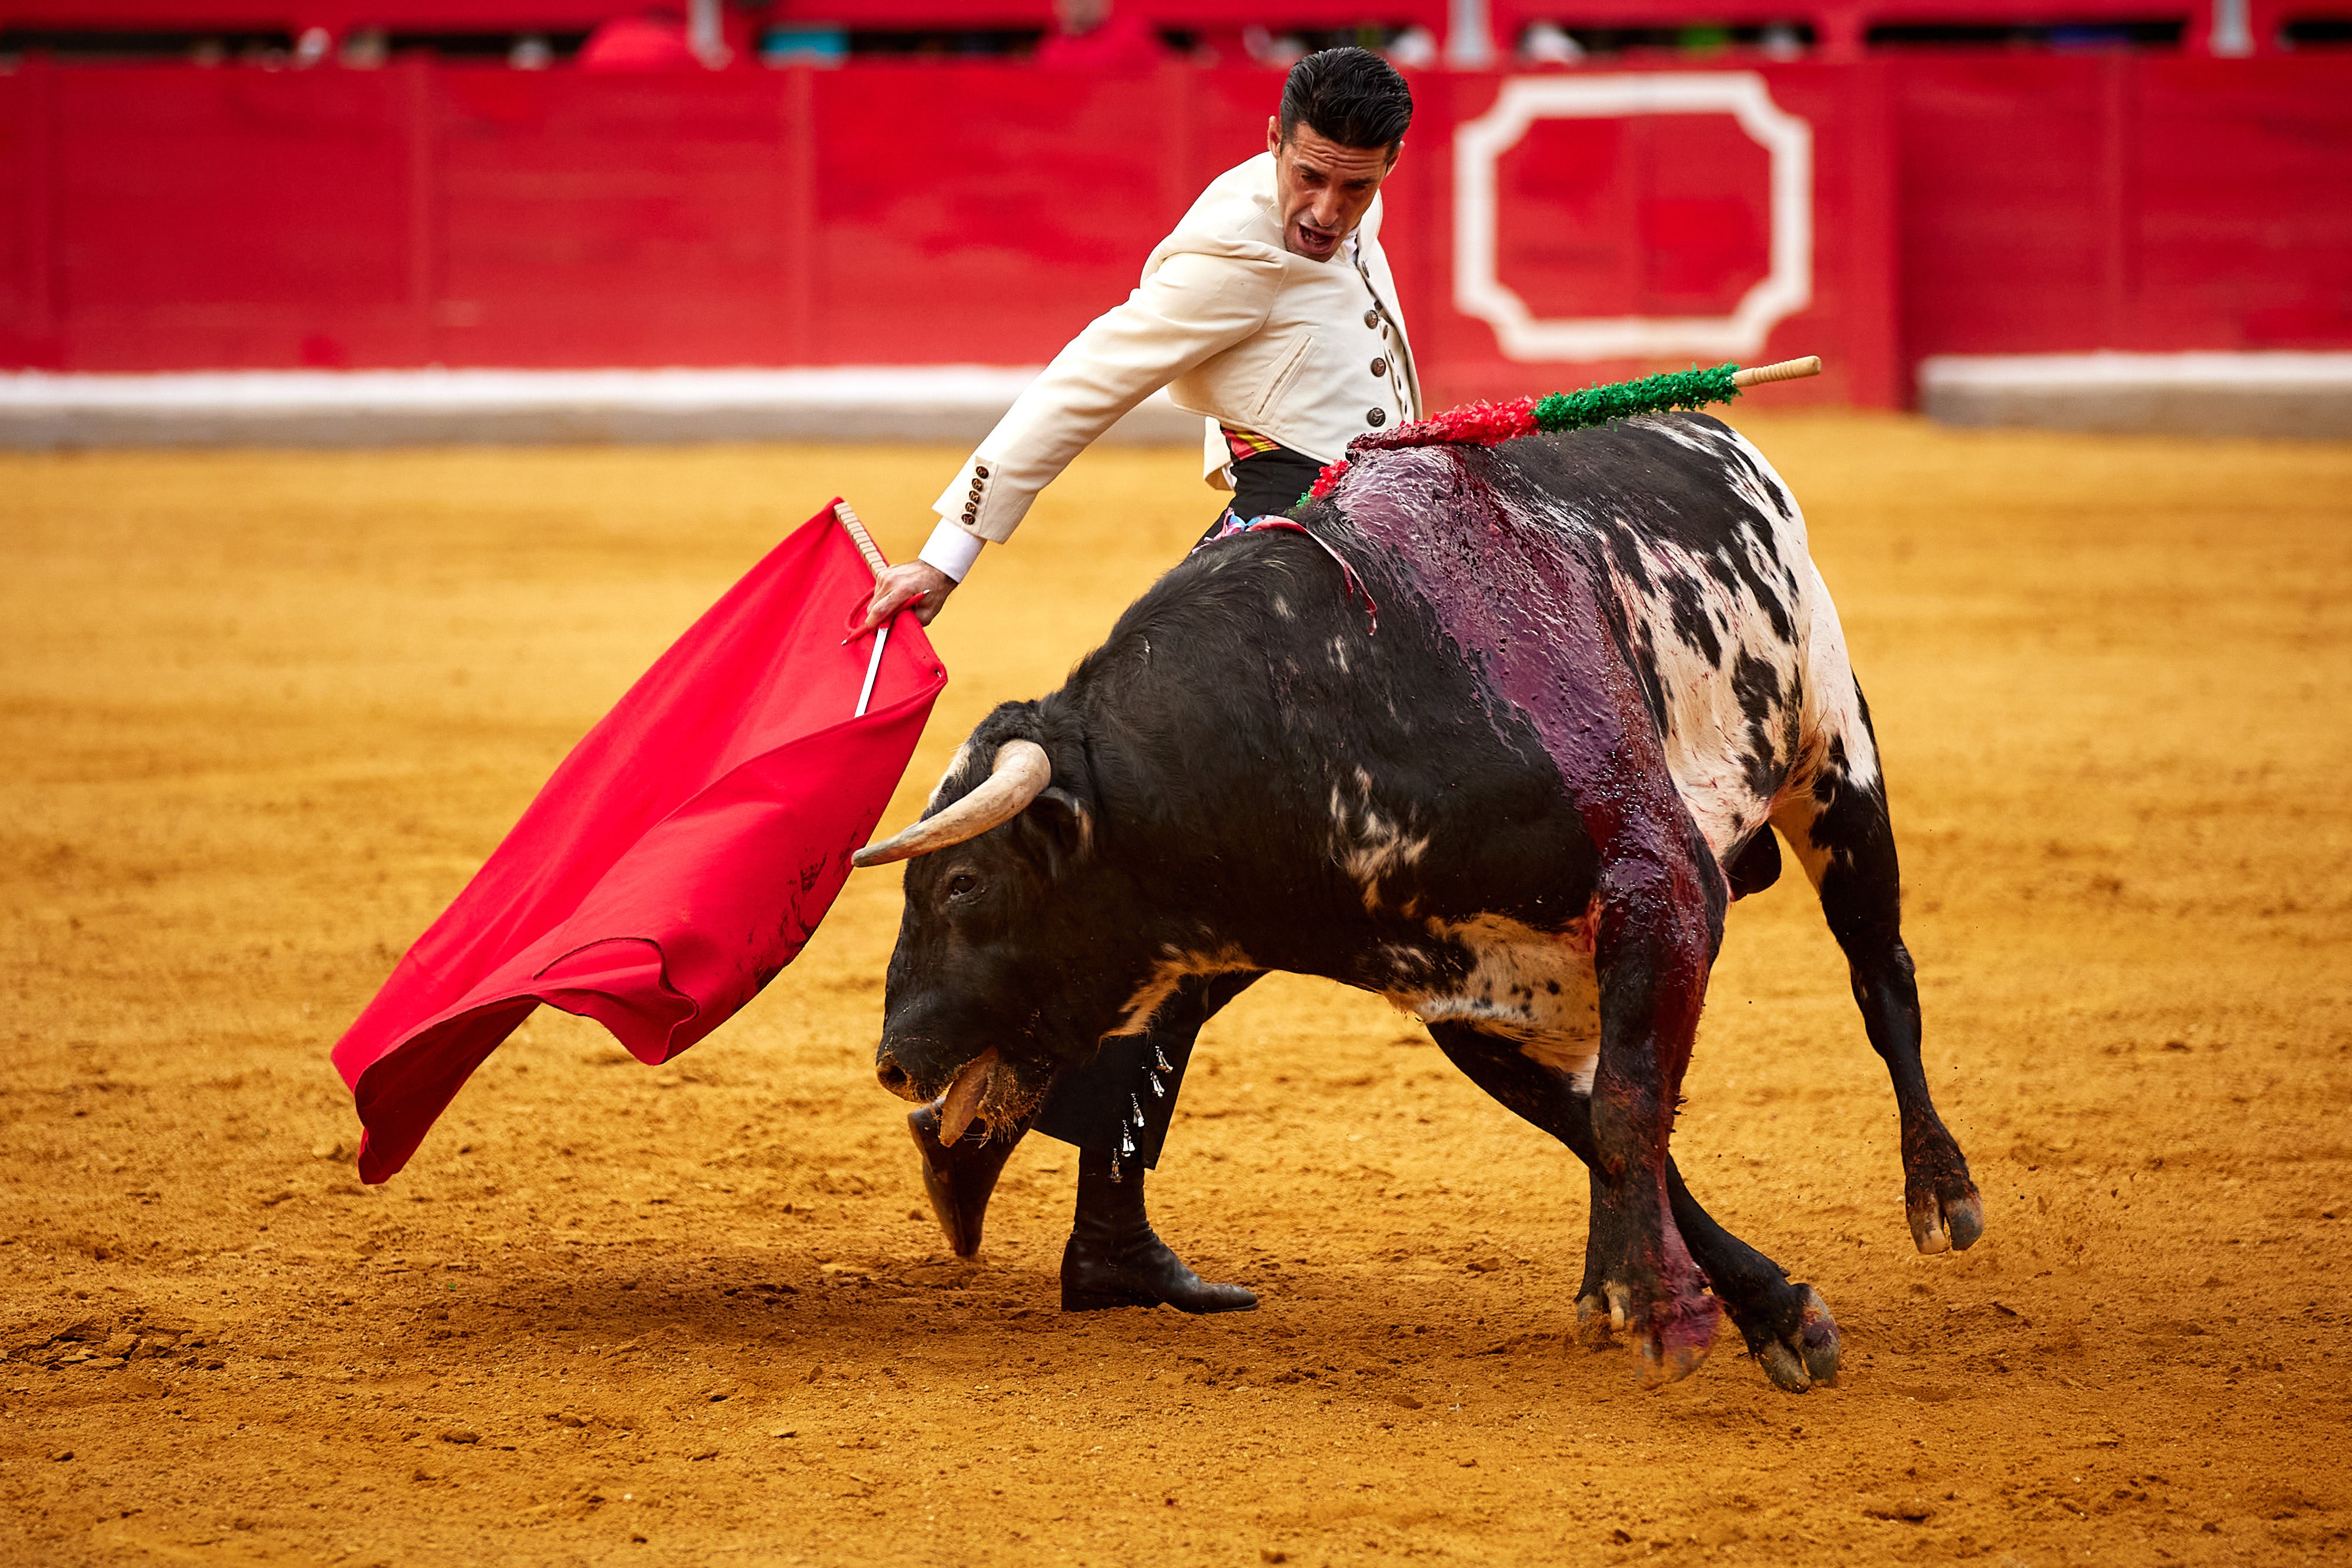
point(2301, 395)
point(2265, 371)
point(855, 402)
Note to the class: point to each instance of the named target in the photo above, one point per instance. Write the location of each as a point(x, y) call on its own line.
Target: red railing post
point(2118, 210)
point(425, 229)
point(1873, 315)
point(1176, 184)
point(1839, 33)
point(799, 281)
point(40, 330)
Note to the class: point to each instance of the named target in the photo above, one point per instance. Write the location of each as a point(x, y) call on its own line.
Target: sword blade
point(873, 668)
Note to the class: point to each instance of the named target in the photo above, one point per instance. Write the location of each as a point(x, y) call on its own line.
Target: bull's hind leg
point(1839, 830)
point(1786, 1325)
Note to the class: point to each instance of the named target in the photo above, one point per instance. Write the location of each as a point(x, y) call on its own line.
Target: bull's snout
point(892, 1076)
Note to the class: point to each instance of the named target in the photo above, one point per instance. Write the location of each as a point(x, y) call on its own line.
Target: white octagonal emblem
point(1479, 143)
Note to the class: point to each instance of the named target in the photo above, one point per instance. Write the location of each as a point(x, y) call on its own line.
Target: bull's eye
point(962, 883)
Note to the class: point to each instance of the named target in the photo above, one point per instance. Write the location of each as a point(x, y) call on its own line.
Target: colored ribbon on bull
point(679, 858)
point(1235, 528)
point(1492, 424)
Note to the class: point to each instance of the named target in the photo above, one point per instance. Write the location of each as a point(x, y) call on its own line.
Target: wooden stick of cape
point(876, 564)
point(682, 853)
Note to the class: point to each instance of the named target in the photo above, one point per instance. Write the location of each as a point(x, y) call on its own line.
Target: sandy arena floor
point(264, 714)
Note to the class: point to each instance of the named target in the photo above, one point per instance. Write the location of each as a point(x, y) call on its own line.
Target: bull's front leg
point(1653, 943)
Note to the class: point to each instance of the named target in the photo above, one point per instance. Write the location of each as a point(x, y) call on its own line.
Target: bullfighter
point(1270, 311)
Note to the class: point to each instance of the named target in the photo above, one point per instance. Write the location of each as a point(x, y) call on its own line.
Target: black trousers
point(1096, 1104)
point(1269, 484)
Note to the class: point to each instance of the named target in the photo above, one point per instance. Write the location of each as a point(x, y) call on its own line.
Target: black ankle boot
point(1113, 1260)
point(959, 1177)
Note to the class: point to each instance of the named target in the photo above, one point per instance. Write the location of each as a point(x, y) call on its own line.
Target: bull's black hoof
point(1795, 1341)
point(1140, 1272)
point(1946, 1218)
point(959, 1177)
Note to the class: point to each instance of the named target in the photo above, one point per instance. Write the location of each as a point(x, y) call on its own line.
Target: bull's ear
point(1060, 826)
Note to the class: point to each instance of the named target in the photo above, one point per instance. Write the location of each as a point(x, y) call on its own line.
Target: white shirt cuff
point(952, 549)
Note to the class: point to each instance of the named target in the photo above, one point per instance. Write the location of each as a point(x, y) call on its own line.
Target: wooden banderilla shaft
point(1786, 370)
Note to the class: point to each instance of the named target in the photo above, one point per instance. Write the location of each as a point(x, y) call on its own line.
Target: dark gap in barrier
point(202, 46)
point(2316, 32)
point(1782, 39)
point(500, 46)
point(944, 42)
point(2063, 36)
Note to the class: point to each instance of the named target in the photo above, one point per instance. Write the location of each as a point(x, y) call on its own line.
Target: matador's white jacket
point(1308, 353)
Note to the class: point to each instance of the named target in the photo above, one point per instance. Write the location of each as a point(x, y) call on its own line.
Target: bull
point(1497, 733)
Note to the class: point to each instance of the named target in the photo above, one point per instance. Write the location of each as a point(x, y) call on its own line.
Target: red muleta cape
point(679, 857)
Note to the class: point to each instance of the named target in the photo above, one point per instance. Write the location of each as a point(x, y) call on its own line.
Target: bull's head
point(1008, 962)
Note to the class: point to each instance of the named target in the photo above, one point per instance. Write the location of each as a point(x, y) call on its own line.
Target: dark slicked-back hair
point(1352, 96)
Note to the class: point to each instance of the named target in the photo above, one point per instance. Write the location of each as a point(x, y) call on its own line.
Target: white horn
point(1018, 775)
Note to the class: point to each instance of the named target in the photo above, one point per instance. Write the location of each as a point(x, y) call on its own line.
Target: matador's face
point(1323, 188)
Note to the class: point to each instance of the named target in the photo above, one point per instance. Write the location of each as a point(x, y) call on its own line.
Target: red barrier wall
point(155, 218)
point(2126, 204)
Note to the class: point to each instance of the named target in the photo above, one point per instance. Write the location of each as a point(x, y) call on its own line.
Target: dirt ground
point(265, 713)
